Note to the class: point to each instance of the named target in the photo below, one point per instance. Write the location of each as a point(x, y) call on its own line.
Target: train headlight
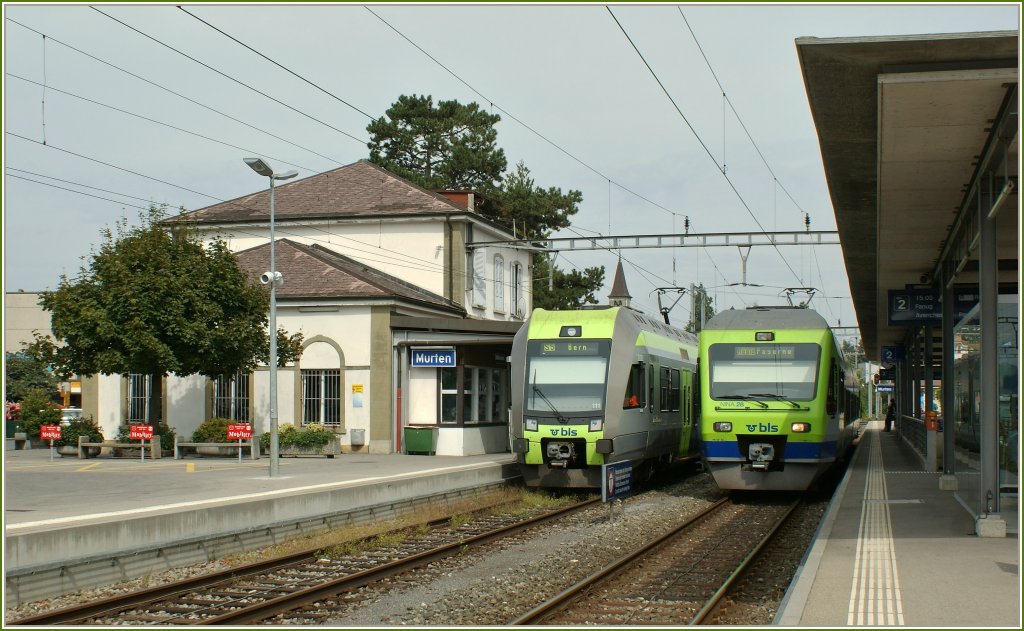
point(722, 426)
point(800, 428)
point(596, 424)
point(531, 424)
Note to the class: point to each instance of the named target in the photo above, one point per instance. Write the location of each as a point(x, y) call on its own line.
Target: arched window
point(499, 283)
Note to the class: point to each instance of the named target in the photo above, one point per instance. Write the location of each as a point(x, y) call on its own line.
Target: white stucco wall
point(410, 250)
point(108, 405)
point(423, 396)
point(22, 317)
point(186, 403)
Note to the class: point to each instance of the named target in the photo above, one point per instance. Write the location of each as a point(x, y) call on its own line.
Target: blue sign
point(433, 358)
point(924, 306)
point(885, 388)
point(616, 480)
point(892, 354)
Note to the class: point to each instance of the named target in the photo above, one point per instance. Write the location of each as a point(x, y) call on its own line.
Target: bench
point(153, 444)
point(251, 445)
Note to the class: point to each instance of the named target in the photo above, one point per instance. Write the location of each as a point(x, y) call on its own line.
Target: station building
point(919, 137)
point(378, 272)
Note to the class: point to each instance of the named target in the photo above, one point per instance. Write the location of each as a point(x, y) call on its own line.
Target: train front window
point(566, 376)
point(764, 371)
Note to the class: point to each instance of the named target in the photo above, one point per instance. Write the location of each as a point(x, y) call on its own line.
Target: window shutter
point(479, 278)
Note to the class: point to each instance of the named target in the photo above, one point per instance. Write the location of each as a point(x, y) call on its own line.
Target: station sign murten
point(432, 358)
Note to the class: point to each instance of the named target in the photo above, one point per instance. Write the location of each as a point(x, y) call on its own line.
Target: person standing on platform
point(890, 416)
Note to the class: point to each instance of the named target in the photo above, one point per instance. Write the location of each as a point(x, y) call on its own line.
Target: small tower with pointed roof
point(619, 296)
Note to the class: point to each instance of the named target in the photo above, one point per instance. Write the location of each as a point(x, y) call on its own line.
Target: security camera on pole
point(272, 278)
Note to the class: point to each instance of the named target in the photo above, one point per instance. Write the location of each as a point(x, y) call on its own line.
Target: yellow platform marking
point(190, 467)
point(89, 466)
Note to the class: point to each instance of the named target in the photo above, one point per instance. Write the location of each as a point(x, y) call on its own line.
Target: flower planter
point(218, 452)
point(330, 450)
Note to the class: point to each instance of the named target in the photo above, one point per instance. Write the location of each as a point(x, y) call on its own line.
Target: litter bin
point(420, 439)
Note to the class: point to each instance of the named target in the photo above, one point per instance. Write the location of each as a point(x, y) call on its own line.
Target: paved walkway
point(894, 550)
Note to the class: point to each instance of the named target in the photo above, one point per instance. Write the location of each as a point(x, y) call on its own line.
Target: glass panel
point(634, 387)
point(967, 409)
point(332, 398)
point(1009, 361)
point(758, 371)
point(565, 377)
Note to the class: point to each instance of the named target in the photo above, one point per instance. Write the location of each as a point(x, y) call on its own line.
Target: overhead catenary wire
point(161, 123)
point(739, 119)
point(227, 76)
point(279, 65)
point(173, 92)
point(519, 121)
point(699, 139)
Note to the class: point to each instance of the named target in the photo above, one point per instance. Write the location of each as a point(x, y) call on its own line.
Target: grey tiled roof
point(358, 190)
point(312, 272)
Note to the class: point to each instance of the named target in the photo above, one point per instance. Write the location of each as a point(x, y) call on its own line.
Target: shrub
point(312, 435)
point(36, 410)
point(213, 430)
point(82, 426)
point(161, 429)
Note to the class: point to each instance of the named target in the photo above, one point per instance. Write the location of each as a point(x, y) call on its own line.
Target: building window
point(321, 397)
point(143, 398)
point(499, 283)
point(449, 395)
point(231, 397)
point(517, 297)
point(483, 391)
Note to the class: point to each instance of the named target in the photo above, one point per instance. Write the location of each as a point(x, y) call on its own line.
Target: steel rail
point(261, 611)
point(141, 598)
point(715, 601)
point(558, 602)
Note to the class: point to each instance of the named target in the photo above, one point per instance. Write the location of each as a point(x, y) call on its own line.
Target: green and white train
point(778, 407)
point(599, 386)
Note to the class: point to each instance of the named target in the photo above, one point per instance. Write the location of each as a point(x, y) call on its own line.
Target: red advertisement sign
point(239, 431)
point(140, 432)
point(49, 432)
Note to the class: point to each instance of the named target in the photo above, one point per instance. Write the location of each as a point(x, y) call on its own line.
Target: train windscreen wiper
point(777, 397)
point(558, 415)
point(743, 397)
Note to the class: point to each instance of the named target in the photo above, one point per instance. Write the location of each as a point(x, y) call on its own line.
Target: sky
point(584, 113)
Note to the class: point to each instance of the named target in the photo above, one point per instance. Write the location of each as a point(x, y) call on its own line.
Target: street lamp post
point(272, 278)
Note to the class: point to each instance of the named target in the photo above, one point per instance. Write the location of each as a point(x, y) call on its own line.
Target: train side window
point(666, 390)
point(635, 388)
point(651, 391)
point(674, 390)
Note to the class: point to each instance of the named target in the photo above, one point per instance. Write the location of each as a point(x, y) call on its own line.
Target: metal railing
point(913, 431)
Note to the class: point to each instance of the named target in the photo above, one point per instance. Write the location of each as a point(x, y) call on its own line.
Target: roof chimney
point(466, 199)
point(619, 296)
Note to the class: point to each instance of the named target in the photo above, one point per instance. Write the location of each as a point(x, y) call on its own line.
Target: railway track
point(254, 593)
point(679, 578)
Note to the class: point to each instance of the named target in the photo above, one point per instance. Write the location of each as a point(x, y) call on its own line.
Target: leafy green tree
point(448, 146)
point(154, 300)
point(454, 146)
point(702, 301)
point(30, 368)
point(38, 408)
point(533, 212)
point(569, 290)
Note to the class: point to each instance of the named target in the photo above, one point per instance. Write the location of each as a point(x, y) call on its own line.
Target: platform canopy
point(901, 123)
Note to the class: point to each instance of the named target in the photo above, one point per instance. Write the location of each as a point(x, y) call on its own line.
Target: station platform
point(894, 550)
point(65, 519)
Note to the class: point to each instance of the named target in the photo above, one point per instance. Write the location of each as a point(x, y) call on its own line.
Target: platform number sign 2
point(900, 303)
